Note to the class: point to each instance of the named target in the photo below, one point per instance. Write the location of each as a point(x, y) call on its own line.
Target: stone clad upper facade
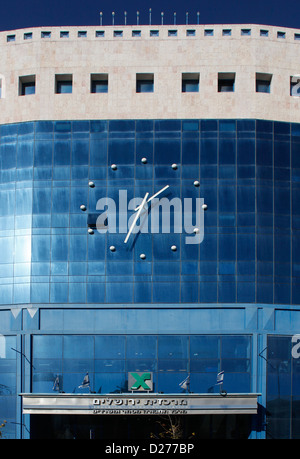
point(166, 53)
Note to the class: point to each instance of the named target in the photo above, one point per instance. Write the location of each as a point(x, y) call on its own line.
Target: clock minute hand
point(136, 217)
point(154, 196)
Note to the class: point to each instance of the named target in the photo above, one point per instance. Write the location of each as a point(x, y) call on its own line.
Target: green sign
point(140, 381)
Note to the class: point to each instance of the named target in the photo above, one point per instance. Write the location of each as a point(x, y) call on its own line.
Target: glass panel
point(141, 347)
point(64, 87)
point(235, 346)
point(263, 86)
point(28, 88)
point(47, 347)
point(110, 347)
point(172, 347)
point(203, 347)
point(78, 347)
point(190, 85)
point(144, 86)
point(99, 86)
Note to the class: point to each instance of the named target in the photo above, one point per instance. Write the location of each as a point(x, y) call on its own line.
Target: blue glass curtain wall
point(8, 385)
point(283, 388)
point(249, 174)
point(171, 358)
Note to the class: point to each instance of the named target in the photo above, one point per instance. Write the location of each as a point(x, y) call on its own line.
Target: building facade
point(94, 117)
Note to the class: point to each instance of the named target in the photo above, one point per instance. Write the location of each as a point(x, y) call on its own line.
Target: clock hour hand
point(152, 197)
point(136, 217)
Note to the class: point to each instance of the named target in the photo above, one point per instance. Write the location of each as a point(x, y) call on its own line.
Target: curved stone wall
point(165, 52)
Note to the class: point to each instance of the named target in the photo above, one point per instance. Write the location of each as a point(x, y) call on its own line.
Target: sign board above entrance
point(141, 403)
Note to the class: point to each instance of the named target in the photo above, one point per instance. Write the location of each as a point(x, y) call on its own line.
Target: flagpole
point(220, 379)
point(185, 383)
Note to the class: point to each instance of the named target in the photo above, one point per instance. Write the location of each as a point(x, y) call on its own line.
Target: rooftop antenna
point(162, 18)
point(137, 18)
point(198, 17)
point(101, 14)
point(150, 10)
point(113, 18)
point(186, 17)
point(125, 17)
point(175, 18)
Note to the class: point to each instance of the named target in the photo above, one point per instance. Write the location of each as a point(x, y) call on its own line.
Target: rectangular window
point(280, 34)
point(191, 33)
point(154, 33)
point(245, 31)
point(172, 33)
point(118, 33)
point(190, 82)
point(10, 38)
point(45, 34)
point(26, 85)
point(64, 34)
point(297, 36)
point(208, 32)
point(63, 84)
point(144, 82)
point(28, 36)
point(226, 82)
point(99, 33)
point(263, 82)
point(226, 32)
point(264, 33)
point(295, 86)
point(99, 83)
point(82, 34)
point(136, 33)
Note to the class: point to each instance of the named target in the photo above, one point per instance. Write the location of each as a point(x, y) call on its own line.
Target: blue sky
point(34, 13)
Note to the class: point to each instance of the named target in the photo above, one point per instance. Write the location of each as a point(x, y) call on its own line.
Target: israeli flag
point(185, 383)
point(56, 383)
point(220, 378)
point(85, 382)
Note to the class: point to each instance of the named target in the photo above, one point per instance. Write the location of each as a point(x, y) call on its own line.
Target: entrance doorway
point(223, 426)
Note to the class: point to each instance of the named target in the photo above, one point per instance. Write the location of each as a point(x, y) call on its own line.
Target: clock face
point(155, 221)
point(143, 211)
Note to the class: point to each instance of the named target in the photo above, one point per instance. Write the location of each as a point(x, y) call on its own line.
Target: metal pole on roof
point(150, 10)
point(101, 14)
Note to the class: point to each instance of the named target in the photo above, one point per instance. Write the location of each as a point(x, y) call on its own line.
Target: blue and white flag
point(85, 382)
point(185, 383)
point(56, 383)
point(220, 378)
